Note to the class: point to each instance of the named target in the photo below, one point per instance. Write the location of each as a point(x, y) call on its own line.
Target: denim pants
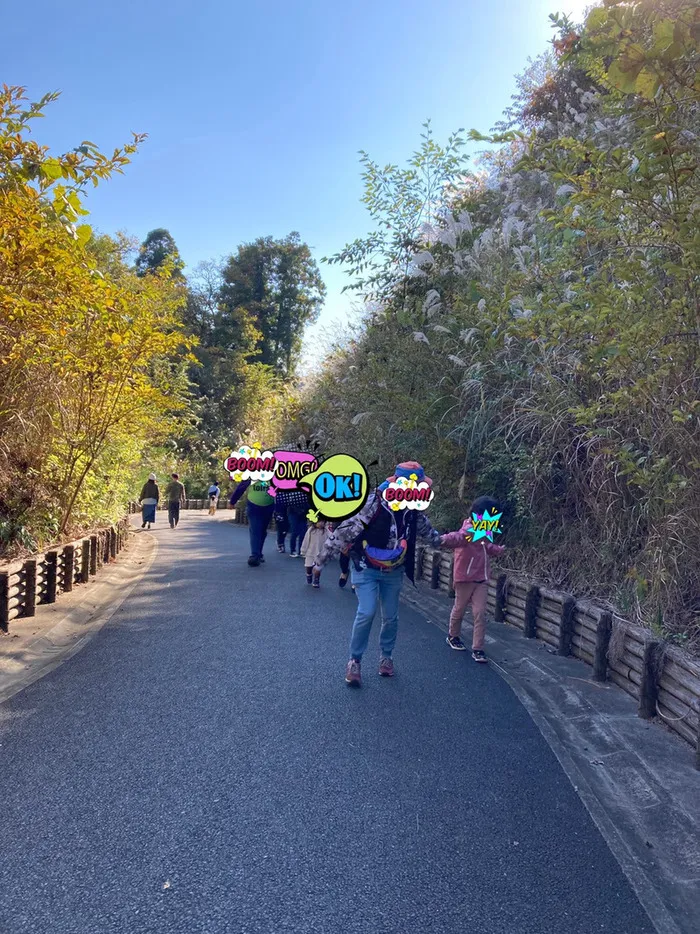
point(297, 527)
point(258, 521)
point(371, 587)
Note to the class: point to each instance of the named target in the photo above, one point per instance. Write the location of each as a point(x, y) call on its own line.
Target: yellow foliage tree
point(88, 355)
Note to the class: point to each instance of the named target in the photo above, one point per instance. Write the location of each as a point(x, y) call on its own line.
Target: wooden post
point(51, 576)
point(499, 613)
point(566, 626)
point(531, 603)
point(85, 561)
point(649, 688)
point(93, 555)
point(68, 567)
point(435, 571)
point(420, 553)
point(602, 643)
point(4, 600)
point(30, 587)
point(112, 542)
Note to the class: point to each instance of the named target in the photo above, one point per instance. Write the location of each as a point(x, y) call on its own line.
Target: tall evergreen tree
point(273, 286)
point(157, 249)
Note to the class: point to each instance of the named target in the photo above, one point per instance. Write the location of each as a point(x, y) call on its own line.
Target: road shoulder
point(34, 647)
point(636, 779)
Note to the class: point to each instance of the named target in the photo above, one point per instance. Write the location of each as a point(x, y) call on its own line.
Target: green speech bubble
point(338, 488)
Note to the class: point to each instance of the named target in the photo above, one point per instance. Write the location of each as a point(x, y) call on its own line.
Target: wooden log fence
point(42, 579)
point(663, 679)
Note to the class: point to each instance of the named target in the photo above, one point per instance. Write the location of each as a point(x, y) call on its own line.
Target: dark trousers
point(258, 521)
point(297, 523)
point(173, 514)
point(344, 562)
point(282, 526)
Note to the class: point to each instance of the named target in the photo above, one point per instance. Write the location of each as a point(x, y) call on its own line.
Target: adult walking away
point(382, 547)
point(259, 511)
point(150, 495)
point(296, 503)
point(176, 498)
point(213, 494)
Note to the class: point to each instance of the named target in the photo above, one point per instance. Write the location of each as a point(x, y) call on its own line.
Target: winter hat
point(151, 476)
point(410, 470)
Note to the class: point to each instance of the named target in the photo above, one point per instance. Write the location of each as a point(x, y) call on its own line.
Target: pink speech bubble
point(291, 467)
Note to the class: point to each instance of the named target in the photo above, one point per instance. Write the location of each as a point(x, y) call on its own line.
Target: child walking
point(472, 569)
point(311, 548)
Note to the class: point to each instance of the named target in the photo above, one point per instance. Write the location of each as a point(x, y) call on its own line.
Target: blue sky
point(255, 111)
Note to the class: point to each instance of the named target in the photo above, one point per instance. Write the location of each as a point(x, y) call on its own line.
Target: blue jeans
point(371, 586)
point(258, 521)
point(297, 529)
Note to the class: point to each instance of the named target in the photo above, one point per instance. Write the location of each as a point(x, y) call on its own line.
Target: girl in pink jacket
point(472, 569)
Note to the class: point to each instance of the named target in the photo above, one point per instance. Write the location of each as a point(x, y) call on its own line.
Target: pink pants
point(476, 593)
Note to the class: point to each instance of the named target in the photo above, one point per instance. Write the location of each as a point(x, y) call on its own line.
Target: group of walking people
point(150, 497)
point(376, 547)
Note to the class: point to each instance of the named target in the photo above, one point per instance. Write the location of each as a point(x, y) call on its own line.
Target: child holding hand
point(472, 569)
point(311, 548)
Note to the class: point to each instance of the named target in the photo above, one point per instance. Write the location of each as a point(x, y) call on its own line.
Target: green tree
point(159, 251)
point(540, 339)
point(275, 288)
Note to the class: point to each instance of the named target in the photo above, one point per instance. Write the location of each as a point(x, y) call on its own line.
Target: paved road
point(201, 767)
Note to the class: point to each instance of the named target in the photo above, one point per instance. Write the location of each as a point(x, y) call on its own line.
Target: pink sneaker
point(352, 673)
point(386, 667)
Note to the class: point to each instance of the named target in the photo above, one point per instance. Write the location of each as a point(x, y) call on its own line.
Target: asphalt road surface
point(201, 766)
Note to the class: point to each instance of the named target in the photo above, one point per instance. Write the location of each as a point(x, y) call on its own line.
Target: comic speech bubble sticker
point(485, 525)
point(338, 488)
point(250, 464)
point(291, 467)
point(407, 493)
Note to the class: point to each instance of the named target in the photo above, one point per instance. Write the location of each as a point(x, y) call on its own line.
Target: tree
point(159, 251)
point(555, 352)
point(402, 203)
point(272, 287)
point(86, 346)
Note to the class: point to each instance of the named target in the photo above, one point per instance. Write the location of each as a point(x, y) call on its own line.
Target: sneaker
point(253, 562)
point(352, 673)
point(479, 656)
point(342, 580)
point(280, 548)
point(293, 554)
point(456, 643)
point(316, 583)
point(386, 667)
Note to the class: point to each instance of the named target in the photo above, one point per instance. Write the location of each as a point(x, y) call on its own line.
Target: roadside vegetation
point(112, 362)
point(532, 327)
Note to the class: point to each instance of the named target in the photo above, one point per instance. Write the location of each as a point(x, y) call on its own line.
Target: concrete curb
point(80, 622)
point(641, 792)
